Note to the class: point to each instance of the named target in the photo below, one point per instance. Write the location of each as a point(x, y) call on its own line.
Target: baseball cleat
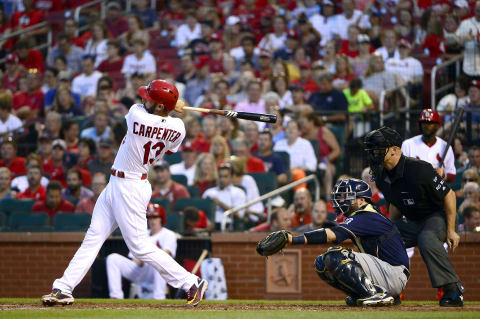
point(452, 298)
point(196, 292)
point(57, 297)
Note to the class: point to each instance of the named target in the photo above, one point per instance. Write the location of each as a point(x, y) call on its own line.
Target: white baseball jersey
point(416, 147)
point(149, 137)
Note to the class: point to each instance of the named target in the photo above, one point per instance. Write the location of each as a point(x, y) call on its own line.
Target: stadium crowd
point(320, 65)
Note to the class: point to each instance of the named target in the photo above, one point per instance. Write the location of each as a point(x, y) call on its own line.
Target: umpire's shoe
point(452, 298)
point(196, 292)
point(57, 297)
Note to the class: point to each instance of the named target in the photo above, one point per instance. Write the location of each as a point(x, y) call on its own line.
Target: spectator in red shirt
point(58, 173)
point(86, 205)
point(48, 5)
point(29, 58)
point(70, 28)
point(115, 22)
point(45, 151)
point(306, 81)
point(350, 46)
point(114, 62)
point(164, 186)
point(205, 173)
point(251, 136)
point(35, 189)
point(280, 219)
point(29, 104)
point(13, 73)
point(209, 129)
point(301, 207)
point(28, 18)
point(53, 203)
point(70, 132)
point(196, 221)
point(9, 158)
point(254, 164)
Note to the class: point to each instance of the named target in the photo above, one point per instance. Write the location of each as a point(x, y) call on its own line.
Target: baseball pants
point(119, 266)
point(392, 278)
point(429, 235)
point(123, 202)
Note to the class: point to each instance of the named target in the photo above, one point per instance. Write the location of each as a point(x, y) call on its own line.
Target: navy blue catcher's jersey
point(374, 234)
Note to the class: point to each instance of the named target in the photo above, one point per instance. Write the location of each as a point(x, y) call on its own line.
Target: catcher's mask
point(377, 143)
point(346, 191)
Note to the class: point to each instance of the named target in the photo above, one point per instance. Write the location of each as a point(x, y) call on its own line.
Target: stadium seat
point(175, 222)
point(10, 206)
point(266, 182)
point(194, 191)
point(81, 121)
point(173, 158)
point(71, 222)
point(25, 222)
point(286, 159)
point(3, 221)
point(180, 178)
point(207, 205)
point(165, 203)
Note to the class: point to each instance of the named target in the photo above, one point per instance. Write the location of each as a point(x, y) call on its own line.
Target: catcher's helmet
point(429, 115)
point(160, 91)
point(346, 191)
point(156, 210)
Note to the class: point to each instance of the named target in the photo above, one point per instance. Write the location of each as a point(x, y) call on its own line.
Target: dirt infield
point(410, 307)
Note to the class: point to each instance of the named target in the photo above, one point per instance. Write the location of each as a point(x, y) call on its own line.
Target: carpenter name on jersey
point(159, 133)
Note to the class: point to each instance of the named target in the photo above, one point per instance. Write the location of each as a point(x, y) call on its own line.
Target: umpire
point(415, 191)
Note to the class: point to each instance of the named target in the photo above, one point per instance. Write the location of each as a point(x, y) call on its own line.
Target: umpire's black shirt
point(414, 187)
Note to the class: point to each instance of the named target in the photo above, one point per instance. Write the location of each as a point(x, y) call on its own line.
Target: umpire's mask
point(377, 143)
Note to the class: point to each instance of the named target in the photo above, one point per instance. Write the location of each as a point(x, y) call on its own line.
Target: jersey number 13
point(147, 147)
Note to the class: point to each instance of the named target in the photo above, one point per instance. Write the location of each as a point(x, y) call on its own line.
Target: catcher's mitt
point(273, 243)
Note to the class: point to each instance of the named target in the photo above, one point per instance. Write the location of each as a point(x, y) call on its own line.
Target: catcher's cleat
point(57, 297)
point(196, 292)
point(378, 300)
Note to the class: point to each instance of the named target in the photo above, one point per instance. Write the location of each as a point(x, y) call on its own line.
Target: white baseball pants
point(123, 202)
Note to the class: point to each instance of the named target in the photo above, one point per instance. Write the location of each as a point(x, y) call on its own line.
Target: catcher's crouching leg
point(339, 269)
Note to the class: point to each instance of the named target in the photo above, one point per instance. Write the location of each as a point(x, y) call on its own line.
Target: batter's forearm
point(450, 203)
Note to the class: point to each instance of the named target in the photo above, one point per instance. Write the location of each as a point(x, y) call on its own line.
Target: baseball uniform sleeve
point(181, 128)
point(169, 242)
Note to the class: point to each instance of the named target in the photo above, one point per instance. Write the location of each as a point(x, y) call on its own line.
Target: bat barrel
point(259, 117)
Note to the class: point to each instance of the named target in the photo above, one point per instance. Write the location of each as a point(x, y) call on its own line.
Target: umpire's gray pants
point(429, 235)
point(392, 278)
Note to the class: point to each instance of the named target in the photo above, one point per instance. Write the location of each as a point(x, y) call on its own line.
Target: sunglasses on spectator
point(466, 180)
point(105, 87)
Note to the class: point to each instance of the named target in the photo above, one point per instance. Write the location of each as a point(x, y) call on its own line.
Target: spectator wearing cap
point(188, 31)
point(64, 79)
point(104, 160)
point(114, 61)
point(114, 20)
point(35, 189)
point(468, 35)
point(409, 68)
point(59, 147)
point(246, 51)
point(280, 219)
point(276, 40)
point(306, 80)
point(232, 32)
point(74, 191)
point(100, 129)
point(254, 102)
point(264, 70)
point(85, 84)
point(349, 47)
point(324, 24)
point(53, 203)
point(198, 85)
point(225, 195)
point(29, 104)
point(461, 9)
point(360, 63)
point(292, 43)
point(187, 165)
point(141, 61)
point(164, 186)
point(136, 30)
point(72, 53)
point(97, 44)
point(49, 79)
point(349, 16)
point(272, 162)
point(254, 164)
point(6, 191)
point(86, 205)
point(147, 14)
point(188, 69)
point(9, 123)
point(389, 48)
point(328, 99)
point(13, 73)
point(27, 57)
point(20, 183)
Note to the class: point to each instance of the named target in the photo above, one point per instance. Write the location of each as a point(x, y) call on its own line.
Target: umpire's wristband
point(298, 240)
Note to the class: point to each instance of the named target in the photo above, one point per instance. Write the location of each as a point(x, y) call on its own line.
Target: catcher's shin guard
point(340, 264)
point(326, 276)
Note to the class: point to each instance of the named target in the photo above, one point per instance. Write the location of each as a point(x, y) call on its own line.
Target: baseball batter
point(430, 148)
point(151, 134)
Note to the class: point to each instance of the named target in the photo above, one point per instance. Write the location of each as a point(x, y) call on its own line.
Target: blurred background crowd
point(331, 70)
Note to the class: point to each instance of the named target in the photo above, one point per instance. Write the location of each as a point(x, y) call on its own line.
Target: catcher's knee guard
point(341, 265)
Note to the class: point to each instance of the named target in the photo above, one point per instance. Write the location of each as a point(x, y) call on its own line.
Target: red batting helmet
point(429, 115)
point(160, 91)
point(156, 210)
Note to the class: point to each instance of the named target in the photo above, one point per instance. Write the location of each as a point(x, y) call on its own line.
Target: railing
point(381, 104)
point(268, 196)
point(128, 7)
point(76, 15)
point(433, 78)
point(41, 25)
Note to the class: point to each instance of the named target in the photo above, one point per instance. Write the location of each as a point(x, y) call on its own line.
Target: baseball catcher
point(376, 274)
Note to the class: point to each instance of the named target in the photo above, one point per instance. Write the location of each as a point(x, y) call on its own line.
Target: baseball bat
point(267, 118)
point(199, 261)
point(453, 132)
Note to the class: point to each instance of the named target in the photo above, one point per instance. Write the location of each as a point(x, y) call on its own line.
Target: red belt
point(121, 174)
